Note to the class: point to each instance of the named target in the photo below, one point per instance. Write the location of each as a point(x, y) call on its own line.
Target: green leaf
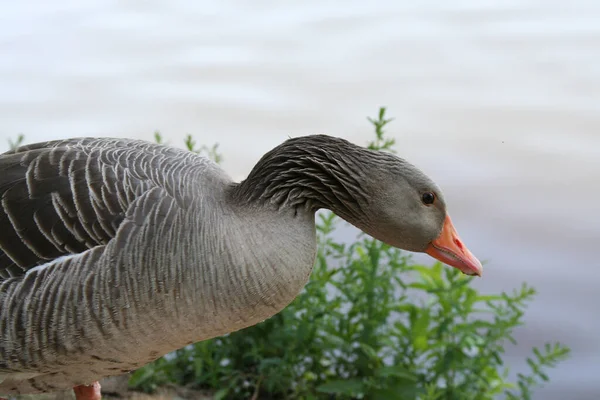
point(140, 377)
point(489, 297)
point(396, 371)
point(400, 390)
point(158, 137)
point(420, 325)
point(369, 351)
point(12, 145)
point(220, 394)
point(420, 285)
point(349, 386)
point(420, 343)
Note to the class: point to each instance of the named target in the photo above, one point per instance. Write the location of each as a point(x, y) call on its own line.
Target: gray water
point(497, 100)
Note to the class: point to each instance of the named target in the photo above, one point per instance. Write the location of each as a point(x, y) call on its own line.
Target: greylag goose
point(114, 252)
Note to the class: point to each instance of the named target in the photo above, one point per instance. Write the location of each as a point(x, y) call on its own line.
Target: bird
point(115, 252)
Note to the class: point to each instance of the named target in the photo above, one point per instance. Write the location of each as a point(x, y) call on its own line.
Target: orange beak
point(449, 249)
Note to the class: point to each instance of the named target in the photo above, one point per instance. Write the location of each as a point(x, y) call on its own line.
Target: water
point(498, 101)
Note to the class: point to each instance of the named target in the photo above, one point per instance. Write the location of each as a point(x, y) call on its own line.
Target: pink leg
point(88, 392)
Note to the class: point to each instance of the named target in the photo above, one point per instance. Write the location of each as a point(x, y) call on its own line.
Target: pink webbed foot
point(88, 392)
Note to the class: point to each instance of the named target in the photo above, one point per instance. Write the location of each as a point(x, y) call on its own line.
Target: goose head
point(408, 211)
point(382, 194)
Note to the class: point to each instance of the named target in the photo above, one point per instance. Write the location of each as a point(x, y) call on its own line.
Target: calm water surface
point(498, 101)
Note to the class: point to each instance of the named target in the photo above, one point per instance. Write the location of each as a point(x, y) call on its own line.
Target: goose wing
point(63, 198)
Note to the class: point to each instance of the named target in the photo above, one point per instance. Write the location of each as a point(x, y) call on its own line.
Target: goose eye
point(428, 198)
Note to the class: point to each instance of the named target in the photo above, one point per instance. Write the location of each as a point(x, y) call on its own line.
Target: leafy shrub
point(369, 324)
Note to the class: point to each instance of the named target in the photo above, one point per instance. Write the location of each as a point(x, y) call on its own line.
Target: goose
point(115, 252)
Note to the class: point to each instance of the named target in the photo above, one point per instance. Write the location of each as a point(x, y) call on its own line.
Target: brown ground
point(162, 394)
point(115, 388)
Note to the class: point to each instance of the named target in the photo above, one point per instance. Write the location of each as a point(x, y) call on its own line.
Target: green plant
point(13, 144)
point(190, 144)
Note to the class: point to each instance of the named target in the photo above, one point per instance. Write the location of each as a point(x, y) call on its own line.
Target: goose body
point(114, 252)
